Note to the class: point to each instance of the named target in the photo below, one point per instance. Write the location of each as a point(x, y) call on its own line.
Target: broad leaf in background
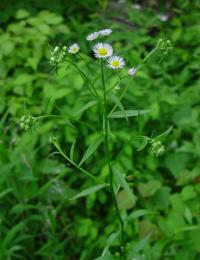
point(148, 189)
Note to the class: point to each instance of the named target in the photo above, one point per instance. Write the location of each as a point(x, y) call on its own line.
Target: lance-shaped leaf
point(140, 213)
point(88, 191)
point(122, 181)
point(71, 156)
point(91, 149)
point(164, 134)
point(85, 107)
point(128, 113)
point(119, 104)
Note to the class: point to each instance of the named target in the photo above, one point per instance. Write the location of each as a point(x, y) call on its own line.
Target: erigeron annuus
point(103, 50)
point(116, 62)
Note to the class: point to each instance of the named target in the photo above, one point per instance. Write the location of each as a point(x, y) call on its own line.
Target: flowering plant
point(109, 61)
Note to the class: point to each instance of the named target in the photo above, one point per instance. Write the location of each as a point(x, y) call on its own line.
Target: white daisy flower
point(74, 48)
point(116, 62)
point(102, 50)
point(105, 32)
point(93, 36)
point(132, 71)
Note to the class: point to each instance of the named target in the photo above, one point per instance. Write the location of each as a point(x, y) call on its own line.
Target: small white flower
point(116, 62)
point(102, 50)
point(105, 32)
point(132, 71)
point(56, 48)
point(93, 36)
point(136, 6)
point(163, 17)
point(74, 48)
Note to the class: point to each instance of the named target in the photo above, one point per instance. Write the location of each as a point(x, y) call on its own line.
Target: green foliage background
point(37, 219)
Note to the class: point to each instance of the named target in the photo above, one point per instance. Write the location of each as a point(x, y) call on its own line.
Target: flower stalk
point(106, 129)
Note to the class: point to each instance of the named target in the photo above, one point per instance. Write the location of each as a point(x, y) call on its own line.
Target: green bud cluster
point(157, 148)
point(165, 46)
point(58, 55)
point(53, 139)
point(26, 122)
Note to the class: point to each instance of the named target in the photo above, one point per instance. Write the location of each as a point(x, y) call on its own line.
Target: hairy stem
point(108, 159)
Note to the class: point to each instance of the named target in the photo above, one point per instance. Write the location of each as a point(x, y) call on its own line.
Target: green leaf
point(143, 144)
point(177, 162)
point(91, 149)
point(188, 215)
point(119, 104)
point(90, 190)
point(149, 188)
point(164, 134)
point(190, 228)
point(140, 213)
point(128, 113)
point(188, 193)
point(110, 241)
point(5, 192)
point(141, 244)
point(165, 227)
point(71, 154)
point(11, 234)
point(21, 13)
point(85, 107)
point(122, 181)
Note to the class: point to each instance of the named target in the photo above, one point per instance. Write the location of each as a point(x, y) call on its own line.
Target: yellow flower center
point(102, 51)
point(115, 63)
point(74, 50)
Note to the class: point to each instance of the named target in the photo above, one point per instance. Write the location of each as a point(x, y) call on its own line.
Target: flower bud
point(56, 49)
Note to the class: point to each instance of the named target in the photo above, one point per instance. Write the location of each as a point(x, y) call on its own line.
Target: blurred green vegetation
point(37, 219)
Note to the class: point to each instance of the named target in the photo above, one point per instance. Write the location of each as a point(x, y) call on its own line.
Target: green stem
point(74, 164)
point(108, 160)
point(47, 116)
point(148, 55)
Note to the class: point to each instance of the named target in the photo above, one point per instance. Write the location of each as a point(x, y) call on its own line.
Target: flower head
point(116, 62)
point(58, 54)
point(74, 48)
point(105, 32)
point(93, 36)
point(102, 50)
point(157, 148)
point(26, 122)
point(132, 71)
